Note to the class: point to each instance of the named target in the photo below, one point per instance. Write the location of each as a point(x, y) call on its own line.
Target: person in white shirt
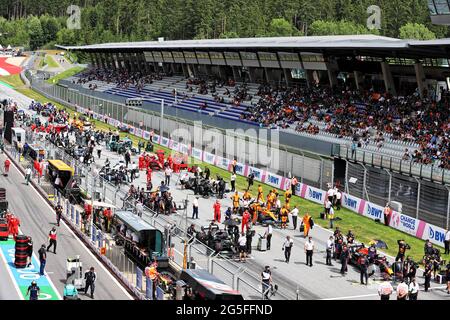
point(402, 291)
point(338, 199)
point(287, 247)
point(233, 182)
point(385, 290)
point(330, 194)
point(268, 235)
point(28, 175)
point(413, 289)
point(329, 249)
point(133, 171)
point(242, 247)
point(309, 250)
point(294, 214)
point(195, 208)
point(167, 174)
point(327, 207)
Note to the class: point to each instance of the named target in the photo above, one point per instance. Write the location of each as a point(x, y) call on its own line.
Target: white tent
point(9, 48)
point(1, 47)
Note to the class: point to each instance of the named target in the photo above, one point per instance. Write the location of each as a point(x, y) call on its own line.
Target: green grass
point(13, 80)
point(51, 62)
point(64, 75)
point(365, 229)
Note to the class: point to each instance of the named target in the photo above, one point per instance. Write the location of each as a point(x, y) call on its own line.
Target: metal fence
point(113, 256)
point(247, 147)
point(246, 281)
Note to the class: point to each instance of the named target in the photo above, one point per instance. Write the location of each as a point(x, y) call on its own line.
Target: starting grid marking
point(22, 277)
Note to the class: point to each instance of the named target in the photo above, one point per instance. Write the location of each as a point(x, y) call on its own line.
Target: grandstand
point(242, 81)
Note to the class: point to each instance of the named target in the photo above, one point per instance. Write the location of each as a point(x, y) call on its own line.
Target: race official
point(309, 250)
point(287, 247)
point(329, 249)
point(385, 290)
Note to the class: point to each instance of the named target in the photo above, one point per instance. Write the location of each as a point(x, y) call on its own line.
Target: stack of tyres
point(3, 202)
point(4, 232)
point(21, 251)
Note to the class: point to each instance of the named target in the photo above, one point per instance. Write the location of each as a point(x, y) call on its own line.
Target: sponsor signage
point(164, 142)
point(373, 211)
point(404, 223)
point(315, 195)
point(223, 163)
point(435, 234)
point(240, 169)
point(274, 180)
point(258, 173)
point(197, 153)
point(209, 158)
point(350, 202)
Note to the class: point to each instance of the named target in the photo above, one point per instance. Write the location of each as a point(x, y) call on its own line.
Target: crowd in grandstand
point(345, 112)
point(123, 79)
point(363, 116)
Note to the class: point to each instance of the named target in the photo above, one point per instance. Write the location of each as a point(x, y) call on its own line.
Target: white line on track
point(5, 262)
point(82, 244)
point(352, 297)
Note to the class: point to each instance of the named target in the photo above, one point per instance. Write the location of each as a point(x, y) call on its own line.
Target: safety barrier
point(402, 222)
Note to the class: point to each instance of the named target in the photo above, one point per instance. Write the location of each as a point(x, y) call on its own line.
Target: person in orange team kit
point(260, 197)
point(235, 197)
point(284, 217)
point(247, 196)
point(216, 208)
point(287, 198)
point(306, 224)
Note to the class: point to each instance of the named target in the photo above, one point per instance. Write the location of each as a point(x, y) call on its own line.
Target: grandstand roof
point(372, 45)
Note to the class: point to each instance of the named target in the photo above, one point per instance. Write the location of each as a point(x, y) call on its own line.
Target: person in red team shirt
point(216, 208)
point(7, 165)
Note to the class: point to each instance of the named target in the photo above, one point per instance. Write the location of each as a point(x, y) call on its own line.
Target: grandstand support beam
point(332, 75)
point(358, 79)
point(185, 70)
point(418, 197)
point(235, 73)
point(448, 208)
point(251, 75)
point(388, 79)
point(309, 78)
point(420, 77)
point(390, 184)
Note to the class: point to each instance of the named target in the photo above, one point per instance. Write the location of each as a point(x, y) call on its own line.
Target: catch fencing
point(245, 280)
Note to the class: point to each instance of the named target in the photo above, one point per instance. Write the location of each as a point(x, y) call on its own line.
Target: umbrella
point(379, 244)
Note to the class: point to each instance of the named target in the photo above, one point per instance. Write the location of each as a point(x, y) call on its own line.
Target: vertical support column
point(309, 78)
point(332, 75)
point(251, 75)
point(358, 79)
point(235, 73)
point(288, 76)
point(448, 210)
point(388, 79)
point(420, 77)
point(418, 198)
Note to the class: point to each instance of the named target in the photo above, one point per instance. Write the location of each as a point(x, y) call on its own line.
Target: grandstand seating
point(189, 99)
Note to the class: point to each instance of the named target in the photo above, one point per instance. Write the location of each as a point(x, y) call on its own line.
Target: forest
point(42, 23)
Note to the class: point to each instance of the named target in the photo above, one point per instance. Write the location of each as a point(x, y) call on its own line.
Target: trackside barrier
point(204, 256)
point(417, 228)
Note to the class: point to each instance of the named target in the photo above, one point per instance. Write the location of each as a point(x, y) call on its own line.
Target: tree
point(228, 35)
point(281, 28)
point(416, 31)
point(35, 32)
point(323, 28)
point(66, 37)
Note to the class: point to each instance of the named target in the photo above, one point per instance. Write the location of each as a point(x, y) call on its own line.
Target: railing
point(205, 257)
point(427, 172)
